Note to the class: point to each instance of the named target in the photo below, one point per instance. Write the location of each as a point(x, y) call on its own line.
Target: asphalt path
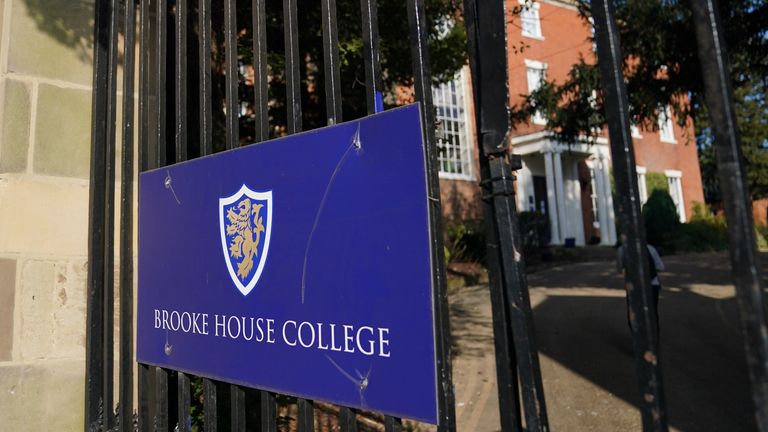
point(586, 350)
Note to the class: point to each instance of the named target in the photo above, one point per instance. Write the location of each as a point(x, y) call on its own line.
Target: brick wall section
point(565, 37)
point(45, 114)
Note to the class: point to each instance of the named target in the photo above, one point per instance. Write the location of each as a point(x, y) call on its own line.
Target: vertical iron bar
point(332, 75)
point(184, 401)
point(260, 90)
point(745, 264)
point(237, 408)
point(161, 405)
point(373, 85)
point(161, 400)
point(183, 386)
point(374, 98)
point(268, 412)
point(392, 424)
point(293, 96)
point(209, 405)
point(94, 353)
point(145, 162)
point(422, 83)
point(144, 50)
point(292, 77)
point(638, 280)
point(162, 68)
point(230, 50)
point(182, 18)
point(126, 226)
point(109, 226)
point(206, 89)
point(145, 424)
point(512, 317)
point(347, 420)
point(306, 415)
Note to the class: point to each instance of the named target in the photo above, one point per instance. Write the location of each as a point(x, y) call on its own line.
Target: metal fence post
point(517, 359)
point(638, 280)
point(745, 266)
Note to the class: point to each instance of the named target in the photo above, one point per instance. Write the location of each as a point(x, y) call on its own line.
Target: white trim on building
point(666, 126)
point(454, 134)
point(642, 186)
point(675, 182)
point(559, 189)
point(536, 72)
point(530, 21)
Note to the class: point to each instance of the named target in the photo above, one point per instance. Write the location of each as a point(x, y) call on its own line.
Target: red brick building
point(570, 183)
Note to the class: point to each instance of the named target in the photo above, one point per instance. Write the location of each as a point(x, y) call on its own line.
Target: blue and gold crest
point(245, 223)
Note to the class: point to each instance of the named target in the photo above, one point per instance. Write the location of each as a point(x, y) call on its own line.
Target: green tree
point(661, 68)
point(446, 40)
point(751, 110)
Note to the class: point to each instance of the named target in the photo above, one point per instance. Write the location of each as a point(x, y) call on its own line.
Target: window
point(529, 19)
point(641, 185)
point(453, 136)
point(537, 72)
point(676, 191)
point(593, 197)
point(666, 127)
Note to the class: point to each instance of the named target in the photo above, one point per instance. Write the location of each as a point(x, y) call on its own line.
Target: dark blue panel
point(325, 233)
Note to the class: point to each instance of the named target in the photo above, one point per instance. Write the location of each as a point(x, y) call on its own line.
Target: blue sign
point(300, 265)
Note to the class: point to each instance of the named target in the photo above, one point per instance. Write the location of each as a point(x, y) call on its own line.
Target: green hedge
point(656, 181)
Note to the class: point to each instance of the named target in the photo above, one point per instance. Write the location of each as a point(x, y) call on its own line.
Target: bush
point(702, 235)
point(465, 241)
point(656, 181)
point(661, 220)
point(534, 230)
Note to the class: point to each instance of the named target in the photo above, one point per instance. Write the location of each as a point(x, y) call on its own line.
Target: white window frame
point(666, 126)
point(531, 15)
point(530, 66)
point(675, 184)
point(462, 154)
point(642, 185)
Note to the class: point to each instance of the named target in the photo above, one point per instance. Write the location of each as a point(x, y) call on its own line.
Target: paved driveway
point(586, 351)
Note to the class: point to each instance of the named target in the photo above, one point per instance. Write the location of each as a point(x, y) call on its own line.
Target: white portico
point(570, 185)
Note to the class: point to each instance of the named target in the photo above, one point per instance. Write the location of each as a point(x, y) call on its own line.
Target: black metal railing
point(198, 113)
point(178, 68)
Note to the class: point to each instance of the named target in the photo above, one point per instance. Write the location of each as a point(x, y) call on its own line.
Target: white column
point(610, 217)
point(559, 183)
point(602, 208)
point(551, 201)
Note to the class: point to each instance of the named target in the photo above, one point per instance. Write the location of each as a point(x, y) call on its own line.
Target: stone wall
point(45, 113)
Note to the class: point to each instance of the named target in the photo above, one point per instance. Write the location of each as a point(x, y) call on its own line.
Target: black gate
point(189, 102)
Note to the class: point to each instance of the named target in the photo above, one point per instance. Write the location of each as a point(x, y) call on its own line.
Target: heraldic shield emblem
point(245, 223)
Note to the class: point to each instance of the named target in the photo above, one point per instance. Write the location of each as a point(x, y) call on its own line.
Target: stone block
point(14, 138)
point(62, 132)
point(7, 290)
point(37, 308)
point(69, 291)
point(43, 217)
point(44, 396)
point(52, 39)
point(22, 387)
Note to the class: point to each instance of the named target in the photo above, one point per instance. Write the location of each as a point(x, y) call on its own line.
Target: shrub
point(661, 220)
point(702, 235)
point(656, 181)
point(534, 230)
point(465, 241)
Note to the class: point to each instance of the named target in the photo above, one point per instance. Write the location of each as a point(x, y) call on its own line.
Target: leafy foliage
point(661, 220)
point(465, 241)
point(656, 181)
point(446, 42)
point(661, 67)
point(752, 112)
